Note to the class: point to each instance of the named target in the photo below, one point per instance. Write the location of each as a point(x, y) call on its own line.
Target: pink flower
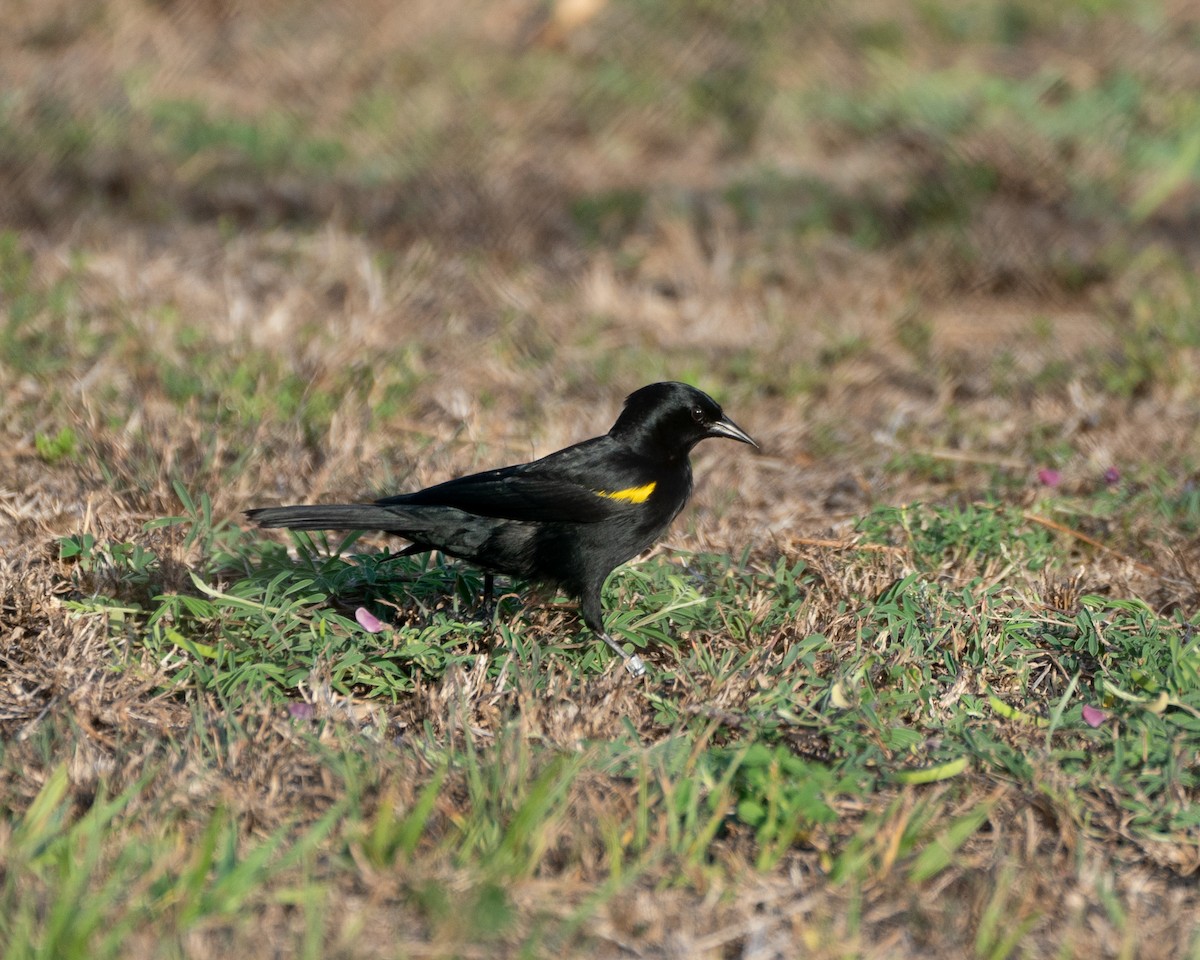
point(1093, 716)
point(1112, 475)
point(1049, 477)
point(301, 711)
point(367, 620)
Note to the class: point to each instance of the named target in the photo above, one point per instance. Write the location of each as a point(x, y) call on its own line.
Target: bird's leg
point(633, 663)
point(593, 616)
point(489, 583)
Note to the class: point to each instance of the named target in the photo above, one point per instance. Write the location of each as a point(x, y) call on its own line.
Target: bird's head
point(668, 419)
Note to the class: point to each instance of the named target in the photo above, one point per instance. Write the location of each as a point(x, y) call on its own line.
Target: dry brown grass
point(941, 364)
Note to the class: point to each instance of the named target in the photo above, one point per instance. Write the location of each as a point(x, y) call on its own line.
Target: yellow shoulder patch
point(629, 494)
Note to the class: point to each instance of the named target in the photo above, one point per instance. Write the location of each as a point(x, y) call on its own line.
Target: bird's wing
point(576, 485)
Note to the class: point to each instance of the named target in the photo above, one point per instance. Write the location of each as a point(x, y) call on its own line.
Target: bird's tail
point(326, 516)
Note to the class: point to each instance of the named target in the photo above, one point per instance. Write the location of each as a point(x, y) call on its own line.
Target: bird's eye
point(697, 413)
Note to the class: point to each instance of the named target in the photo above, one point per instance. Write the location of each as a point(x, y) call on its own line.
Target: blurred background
point(382, 240)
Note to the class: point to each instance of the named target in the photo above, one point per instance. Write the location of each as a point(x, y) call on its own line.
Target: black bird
point(569, 518)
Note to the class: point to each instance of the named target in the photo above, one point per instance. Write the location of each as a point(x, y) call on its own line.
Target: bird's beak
point(727, 428)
